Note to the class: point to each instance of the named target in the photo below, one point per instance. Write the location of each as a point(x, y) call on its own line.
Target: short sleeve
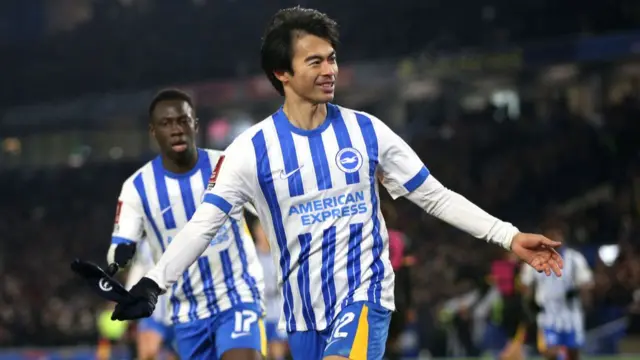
point(582, 274)
point(402, 171)
point(129, 220)
point(232, 181)
point(527, 275)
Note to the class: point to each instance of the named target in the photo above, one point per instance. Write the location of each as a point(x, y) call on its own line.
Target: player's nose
point(328, 69)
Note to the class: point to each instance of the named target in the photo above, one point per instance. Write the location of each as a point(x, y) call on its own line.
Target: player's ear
point(283, 76)
point(196, 124)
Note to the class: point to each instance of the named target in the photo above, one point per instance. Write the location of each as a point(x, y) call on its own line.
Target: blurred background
point(531, 109)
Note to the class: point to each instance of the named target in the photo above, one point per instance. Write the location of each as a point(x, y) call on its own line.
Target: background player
point(216, 306)
point(505, 276)
point(561, 316)
point(276, 337)
point(401, 263)
point(155, 333)
point(310, 170)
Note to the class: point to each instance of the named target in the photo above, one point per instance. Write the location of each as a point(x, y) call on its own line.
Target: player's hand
point(145, 294)
point(539, 252)
point(124, 253)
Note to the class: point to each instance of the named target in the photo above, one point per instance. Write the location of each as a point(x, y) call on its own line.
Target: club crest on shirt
point(349, 160)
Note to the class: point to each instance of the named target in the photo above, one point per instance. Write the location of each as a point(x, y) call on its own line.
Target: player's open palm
point(539, 252)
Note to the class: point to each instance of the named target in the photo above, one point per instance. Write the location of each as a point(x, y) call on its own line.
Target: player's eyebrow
point(318, 57)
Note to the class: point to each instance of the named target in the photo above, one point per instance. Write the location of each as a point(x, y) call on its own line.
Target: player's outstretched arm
point(404, 174)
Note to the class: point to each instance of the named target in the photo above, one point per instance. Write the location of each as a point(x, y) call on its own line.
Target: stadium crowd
point(163, 51)
point(520, 170)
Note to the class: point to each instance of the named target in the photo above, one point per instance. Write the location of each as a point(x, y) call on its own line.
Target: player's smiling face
point(174, 127)
point(314, 69)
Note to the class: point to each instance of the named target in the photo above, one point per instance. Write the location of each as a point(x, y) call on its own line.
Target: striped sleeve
point(129, 219)
point(402, 169)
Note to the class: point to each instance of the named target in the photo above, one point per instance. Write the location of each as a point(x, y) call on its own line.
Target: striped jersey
point(142, 263)
point(559, 314)
point(155, 204)
point(316, 195)
point(272, 298)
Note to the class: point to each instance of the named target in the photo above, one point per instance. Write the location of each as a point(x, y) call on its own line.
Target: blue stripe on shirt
point(246, 276)
point(320, 163)
point(227, 270)
point(353, 261)
point(117, 240)
point(266, 185)
point(216, 200)
point(289, 155)
point(138, 183)
point(304, 283)
point(205, 166)
point(377, 267)
point(326, 272)
point(163, 194)
point(189, 208)
point(208, 285)
point(417, 180)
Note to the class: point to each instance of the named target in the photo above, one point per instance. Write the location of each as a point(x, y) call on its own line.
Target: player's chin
point(323, 97)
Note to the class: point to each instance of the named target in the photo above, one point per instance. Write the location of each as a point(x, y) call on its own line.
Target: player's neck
point(180, 166)
point(303, 114)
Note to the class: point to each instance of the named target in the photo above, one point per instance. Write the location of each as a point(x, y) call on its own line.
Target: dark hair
point(277, 50)
point(169, 94)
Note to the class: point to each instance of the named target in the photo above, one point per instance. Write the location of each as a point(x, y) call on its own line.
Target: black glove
point(145, 296)
point(124, 253)
point(572, 294)
point(531, 309)
point(536, 308)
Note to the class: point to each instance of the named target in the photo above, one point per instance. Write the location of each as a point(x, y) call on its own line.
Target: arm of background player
point(583, 278)
point(251, 209)
point(129, 221)
point(527, 277)
point(404, 174)
point(232, 188)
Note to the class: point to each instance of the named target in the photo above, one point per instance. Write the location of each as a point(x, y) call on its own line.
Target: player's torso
point(229, 261)
point(551, 292)
point(320, 190)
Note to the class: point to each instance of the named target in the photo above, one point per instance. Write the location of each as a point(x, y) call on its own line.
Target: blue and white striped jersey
point(154, 206)
point(316, 194)
point(550, 292)
point(142, 262)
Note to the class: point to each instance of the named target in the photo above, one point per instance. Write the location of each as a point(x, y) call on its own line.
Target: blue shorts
point(166, 332)
point(273, 334)
point(240, 327)
point(359, 332)
point(551, 338)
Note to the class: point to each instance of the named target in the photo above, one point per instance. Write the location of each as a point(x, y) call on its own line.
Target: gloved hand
point(145, 294)
point(124, 253)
